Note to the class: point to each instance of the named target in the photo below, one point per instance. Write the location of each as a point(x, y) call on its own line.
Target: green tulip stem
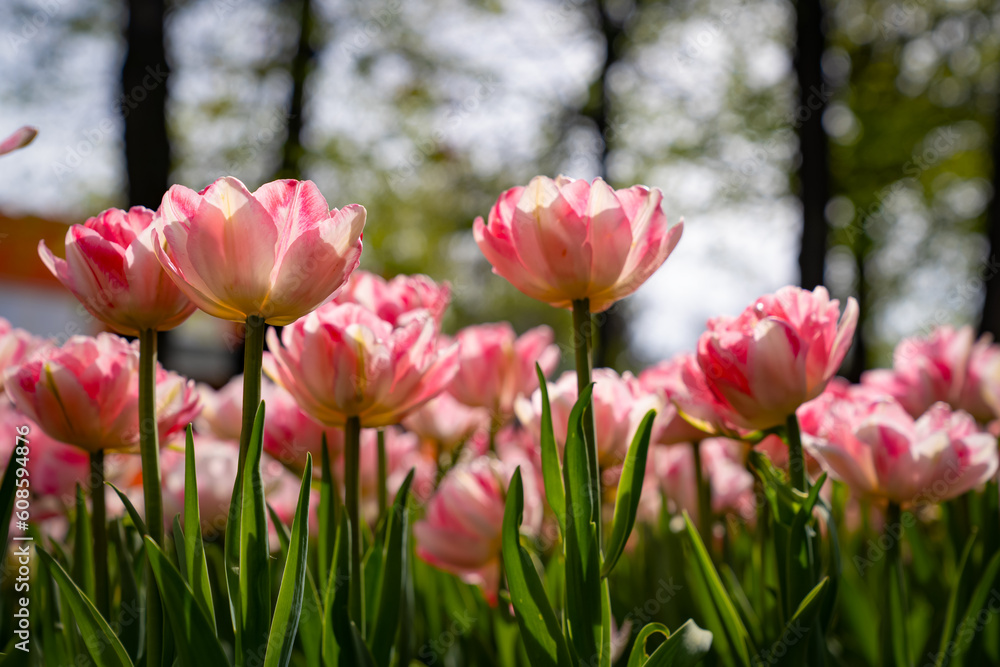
point(796, 460)
point(149, 450)
point(352, 502)
point(99, 532)
point(583, 343)
point(383, 473)
point(253, 359)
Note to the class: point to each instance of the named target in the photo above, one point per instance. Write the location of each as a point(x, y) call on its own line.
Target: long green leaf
point(952, 610)
point(131, 601)
point(133, 513)
point(285, 623)
point(55, 646)
point(540, 631)
point(328, 520)
point(346, 647)
point(639, 657)
point(736, 632)
point(194, 546)
point(686, 647)
point(195, 638)
point(104, 647)
point(795, 635)
point(551, 468)
point(979, 596)
point(629, 492)
point(583, 566)
point(83, 548)
point(336, 591)
point(254, 565)
point(390, 587)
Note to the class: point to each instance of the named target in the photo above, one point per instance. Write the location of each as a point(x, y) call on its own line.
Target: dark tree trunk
point(813, 171)
point(301, 66)
point(144, 111)
point(990, 320)
point(144, 104)
point(611, 325)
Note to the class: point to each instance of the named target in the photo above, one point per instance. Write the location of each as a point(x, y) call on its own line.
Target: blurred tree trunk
point(301, 66)
point(990, 320)
point(144, 111)
point(814, 169)
point(144, 104)
point(611, 324)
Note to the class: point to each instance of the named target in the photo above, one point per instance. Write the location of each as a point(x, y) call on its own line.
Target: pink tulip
point(54, 468)
point(86, 393)
point(875, 447)
point(778, 354)
point(446, 422)
point(277, 253)
point(461, 530)
point(496, 366)
point(619, 405)
point(21, 137)
point(15, 346)
point(393, 299)
point(112, 269)
point(666, 379)
point(949, 365)
point(344, 361)
point(564, 240)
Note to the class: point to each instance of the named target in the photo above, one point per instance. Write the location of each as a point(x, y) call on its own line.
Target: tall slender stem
point(796, 461)
point(253, 358)
point(583, 344)
point(352, 501)
point(99, 531)
point(149, 450)
point(383, 472)
point(897, 643)
point(704, 493)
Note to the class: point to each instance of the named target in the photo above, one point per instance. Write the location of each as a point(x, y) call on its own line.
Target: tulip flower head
point(566, 240)
point(496, 366)
point(393, 299)
point(276, 253)
point(344, 361)
point(85, 393)
point(461, 531)
point(879, 450)
point(949, 365)
point(778, 354)
point(111, 267)
point(16, 345)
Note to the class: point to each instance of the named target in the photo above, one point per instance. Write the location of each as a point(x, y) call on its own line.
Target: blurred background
point(848, 143)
